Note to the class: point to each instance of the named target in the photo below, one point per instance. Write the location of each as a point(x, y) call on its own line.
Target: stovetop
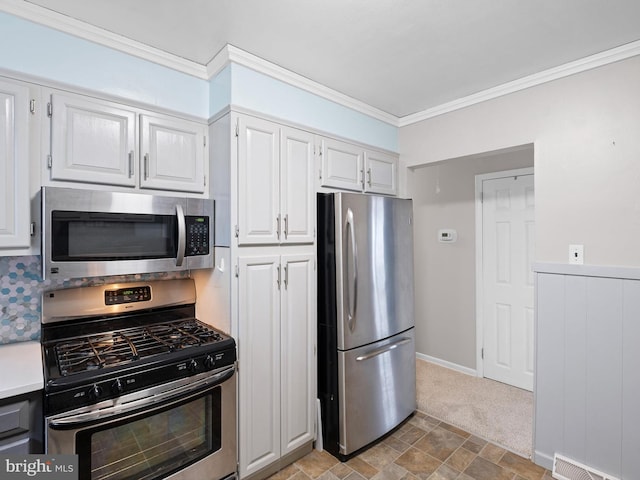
point(118, 348)
point(100, 343)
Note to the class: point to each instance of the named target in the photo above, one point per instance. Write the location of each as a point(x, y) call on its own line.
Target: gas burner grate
point(120, 347)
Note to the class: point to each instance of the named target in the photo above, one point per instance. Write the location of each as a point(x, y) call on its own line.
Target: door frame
point(479, 246)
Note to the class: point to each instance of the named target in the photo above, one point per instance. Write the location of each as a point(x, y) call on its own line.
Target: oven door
point(188, 432)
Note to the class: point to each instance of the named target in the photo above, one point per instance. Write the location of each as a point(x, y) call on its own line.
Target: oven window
point(82, 236)
point(153, 446)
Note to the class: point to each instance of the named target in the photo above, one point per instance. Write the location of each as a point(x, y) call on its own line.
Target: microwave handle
point(182, 236)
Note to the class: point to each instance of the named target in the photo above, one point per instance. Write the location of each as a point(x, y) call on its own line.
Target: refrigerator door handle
point(352, 304)
point(381, 350)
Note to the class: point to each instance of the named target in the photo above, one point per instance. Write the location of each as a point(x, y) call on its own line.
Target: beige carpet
point(492, 410)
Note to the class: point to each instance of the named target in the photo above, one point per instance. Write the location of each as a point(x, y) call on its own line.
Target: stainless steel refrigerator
point(366, 346)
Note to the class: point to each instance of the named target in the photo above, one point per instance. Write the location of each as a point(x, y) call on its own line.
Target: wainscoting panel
point(631, 380)
point(587, 390)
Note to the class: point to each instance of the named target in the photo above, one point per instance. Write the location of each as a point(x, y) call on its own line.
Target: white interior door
point(507, 279)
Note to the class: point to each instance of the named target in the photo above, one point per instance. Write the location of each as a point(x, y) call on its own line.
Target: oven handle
point(182, 236)
point(79, 418)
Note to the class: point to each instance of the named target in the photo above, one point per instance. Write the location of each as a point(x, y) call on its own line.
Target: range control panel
point(127, 295)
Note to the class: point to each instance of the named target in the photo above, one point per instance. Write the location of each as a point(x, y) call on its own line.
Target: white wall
point(444, 197)
point(586, 132)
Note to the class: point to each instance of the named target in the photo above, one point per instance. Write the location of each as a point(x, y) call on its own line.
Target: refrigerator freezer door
point(374, 268)
point(377, 386)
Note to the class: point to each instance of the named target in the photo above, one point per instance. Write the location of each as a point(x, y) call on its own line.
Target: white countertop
point(20, 368)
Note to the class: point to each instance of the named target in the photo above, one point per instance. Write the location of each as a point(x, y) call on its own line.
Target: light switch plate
point(576, 254)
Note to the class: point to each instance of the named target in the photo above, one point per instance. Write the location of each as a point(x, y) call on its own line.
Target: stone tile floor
point(423, 448)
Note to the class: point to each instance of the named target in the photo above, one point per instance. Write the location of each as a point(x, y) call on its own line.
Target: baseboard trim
point(446, 364)
point(543, 459)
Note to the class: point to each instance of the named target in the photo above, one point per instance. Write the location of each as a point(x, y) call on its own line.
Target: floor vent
point(567, 469)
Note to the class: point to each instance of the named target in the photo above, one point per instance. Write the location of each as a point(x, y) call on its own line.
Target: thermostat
point(447, 235)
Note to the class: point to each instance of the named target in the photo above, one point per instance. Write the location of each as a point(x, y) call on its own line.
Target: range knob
point(94, 392)
point(209, 362)
point(117, 387)
point(192, 366)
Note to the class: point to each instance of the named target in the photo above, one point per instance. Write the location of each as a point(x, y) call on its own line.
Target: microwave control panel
point(197, 235)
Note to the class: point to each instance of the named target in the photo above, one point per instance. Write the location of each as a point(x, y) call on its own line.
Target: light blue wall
point(40, 51)
point(32, 49)
point(220, 91)
point(264, 94)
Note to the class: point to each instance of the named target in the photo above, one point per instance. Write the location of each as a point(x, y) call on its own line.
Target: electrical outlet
point(576, 254)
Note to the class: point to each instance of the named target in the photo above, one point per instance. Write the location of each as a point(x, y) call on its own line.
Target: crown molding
point(232, 54)
point(587, 63)
point(77, 28)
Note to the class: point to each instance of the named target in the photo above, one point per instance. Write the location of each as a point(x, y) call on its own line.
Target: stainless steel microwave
point(87, 233)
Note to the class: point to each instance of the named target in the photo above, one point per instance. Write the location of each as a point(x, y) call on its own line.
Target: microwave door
point(89, 233)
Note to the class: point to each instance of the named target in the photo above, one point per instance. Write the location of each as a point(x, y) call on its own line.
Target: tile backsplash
point(21, 288)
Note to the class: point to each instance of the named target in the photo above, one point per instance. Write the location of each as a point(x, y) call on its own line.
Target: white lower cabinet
point(276, 350)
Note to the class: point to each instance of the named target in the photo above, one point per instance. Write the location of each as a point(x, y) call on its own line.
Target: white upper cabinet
point(173, 154)
point(258, 182)
point(275, 183)
point(381, 173)
point(351, 167)
point(95, 141)
point(92, 141)
point(14, 166)
point(341, 165)
point(297, 204)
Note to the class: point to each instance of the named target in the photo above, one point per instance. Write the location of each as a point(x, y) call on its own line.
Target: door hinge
point(204, 141)
point(32, 106)
point(49, 161)
point(320, 174)
point(237, 271)
point(237, 231)
point(482, 353)
point(205, 180)
point(49, 109)
point(32, 229)
point(237, 128)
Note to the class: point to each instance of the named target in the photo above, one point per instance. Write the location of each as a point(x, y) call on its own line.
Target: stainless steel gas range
point(135, 385)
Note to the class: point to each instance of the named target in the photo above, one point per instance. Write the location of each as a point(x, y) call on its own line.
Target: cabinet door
point(296, 186)
point(259, 217)
point(259, 360)
point(298, 365)
point(381, 173)
point(92, 141)
point(14, 166)
point(173, 154)
point(341, 165)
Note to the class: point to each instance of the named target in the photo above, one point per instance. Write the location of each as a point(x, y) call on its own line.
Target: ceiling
point(399, 56)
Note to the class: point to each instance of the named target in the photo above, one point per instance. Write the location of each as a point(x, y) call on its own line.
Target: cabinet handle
point(286, 226)
point(278, 226)
point(362, 177)
point(146, 166)
point(278, 277)
point(130, 163)
point(369, 177)
point(286, 276)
